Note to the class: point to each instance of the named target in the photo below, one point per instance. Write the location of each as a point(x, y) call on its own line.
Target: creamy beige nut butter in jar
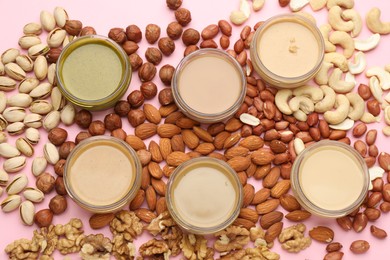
point(93, 72)
point(287, 50)
point(209, 85)
point(102, 174)
point(204, 195)
point(330, 179)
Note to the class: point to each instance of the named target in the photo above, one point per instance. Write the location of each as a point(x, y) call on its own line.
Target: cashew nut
point(357, 105)
point(337, 59)
point(369, 118)
point(349, 77)
point(321, 77)
point(296, 5)
point(385, 104)
point(281, 100)
point(345, 125)
point(300, 115)
point(302, 103)
point(317, 4)
point(386, 130)
point(345, 41)
point(327, 102)
point(367, 44)
point(374, 23)
point(338, 115)
point(387, 98)
point(354, 16)
point(240, 16)
point(387, 67)
point(257, 5)
point(382, 75)
point(375, 88)
point(347, 4)
point(359, 64)
point(387, 115)
point(325, 29)
point(314, 93)
point(339, 85)
point(337, 22)
point(307, 16)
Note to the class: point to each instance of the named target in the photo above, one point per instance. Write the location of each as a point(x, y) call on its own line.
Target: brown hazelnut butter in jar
point(287, 50)
point(93, 72)
point(330, 179)
point(102, 174)
point(209, 85)
point(204, 195)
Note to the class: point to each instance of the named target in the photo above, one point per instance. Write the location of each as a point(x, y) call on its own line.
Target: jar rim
point(305, 201)
point(205, 117)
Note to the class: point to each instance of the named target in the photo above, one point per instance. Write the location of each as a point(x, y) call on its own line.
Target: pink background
point(103, 15)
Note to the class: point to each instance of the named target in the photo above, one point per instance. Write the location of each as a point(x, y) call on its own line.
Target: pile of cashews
point(336, 78)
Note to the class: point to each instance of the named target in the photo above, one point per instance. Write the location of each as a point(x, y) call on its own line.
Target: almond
point(271, 218)
point(289, 202)
point(190, 139)
point(262, 171)
point(145, 178)
point(239, 163)
point(216, 128)
point(267, 206)
point(204, 148)
point(151, 198)
point(159, 186)
point(378, 232)
point(138, 200)
point(252, 142)
point(155, 170)
point(280, 188)
point(233, 124)
point(167, 110)
point(272, 178)
point(203, 134)
point(273, 232)
point(262, 157)
point(359, 246)
point(97, 221)
point(249, 214)
point(220, 138)
point(261, 196)
point(145, 130)
point(186, 123)
point(177, 143)
point(173, 117)
point(177, 158)
point(231, 140)
point(384, 161)
point(145, 215)
point(245, 223)
point(236, 151)
point(168, 130)
point(322, 234)
point(242, 177)
point(298, 215)
point(248, 193)
point(155, 151)
point(152, 114)
point(161, 205)
point(135, 142)
point(165, 147)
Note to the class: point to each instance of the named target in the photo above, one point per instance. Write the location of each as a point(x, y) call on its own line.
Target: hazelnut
point(130, 47)
point(183, 16)
point(87, 30)
point(146, 72)
point(133, 33)
point(122, 108)
point(190, 49)
point(65, 149)
point(135, 61)
point(152, 33)
point(136, 117)
point(148, 89)
point(119, 133)
point(174, 4)
point(166, 45)
point(190, 37)
point(43, 218)
point(135, 98)
point(165, 96)
point(83, 118)
point(73, 27)
point(118, 35)
point(45, 182)
point(153, 55)
point(58, 204)
point(53, 55)
point(174, 30)
point(82, 136)
point(59, 167)
point(166, 73)
point(97, 128)
point(112, 121)
point(57, 136)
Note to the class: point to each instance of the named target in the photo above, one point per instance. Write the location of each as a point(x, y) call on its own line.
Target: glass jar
point(287, 50)
point(330, 179)
point(102, 174)
point(209, 85)
point(204, 195)
point(93, 72)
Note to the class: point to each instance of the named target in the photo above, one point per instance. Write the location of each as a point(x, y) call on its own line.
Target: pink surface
point(103, 15)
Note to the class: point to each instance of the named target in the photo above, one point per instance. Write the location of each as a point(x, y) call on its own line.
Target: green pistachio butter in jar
point(93, 72)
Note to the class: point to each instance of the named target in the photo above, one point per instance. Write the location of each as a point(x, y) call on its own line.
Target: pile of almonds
point(261, 153)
